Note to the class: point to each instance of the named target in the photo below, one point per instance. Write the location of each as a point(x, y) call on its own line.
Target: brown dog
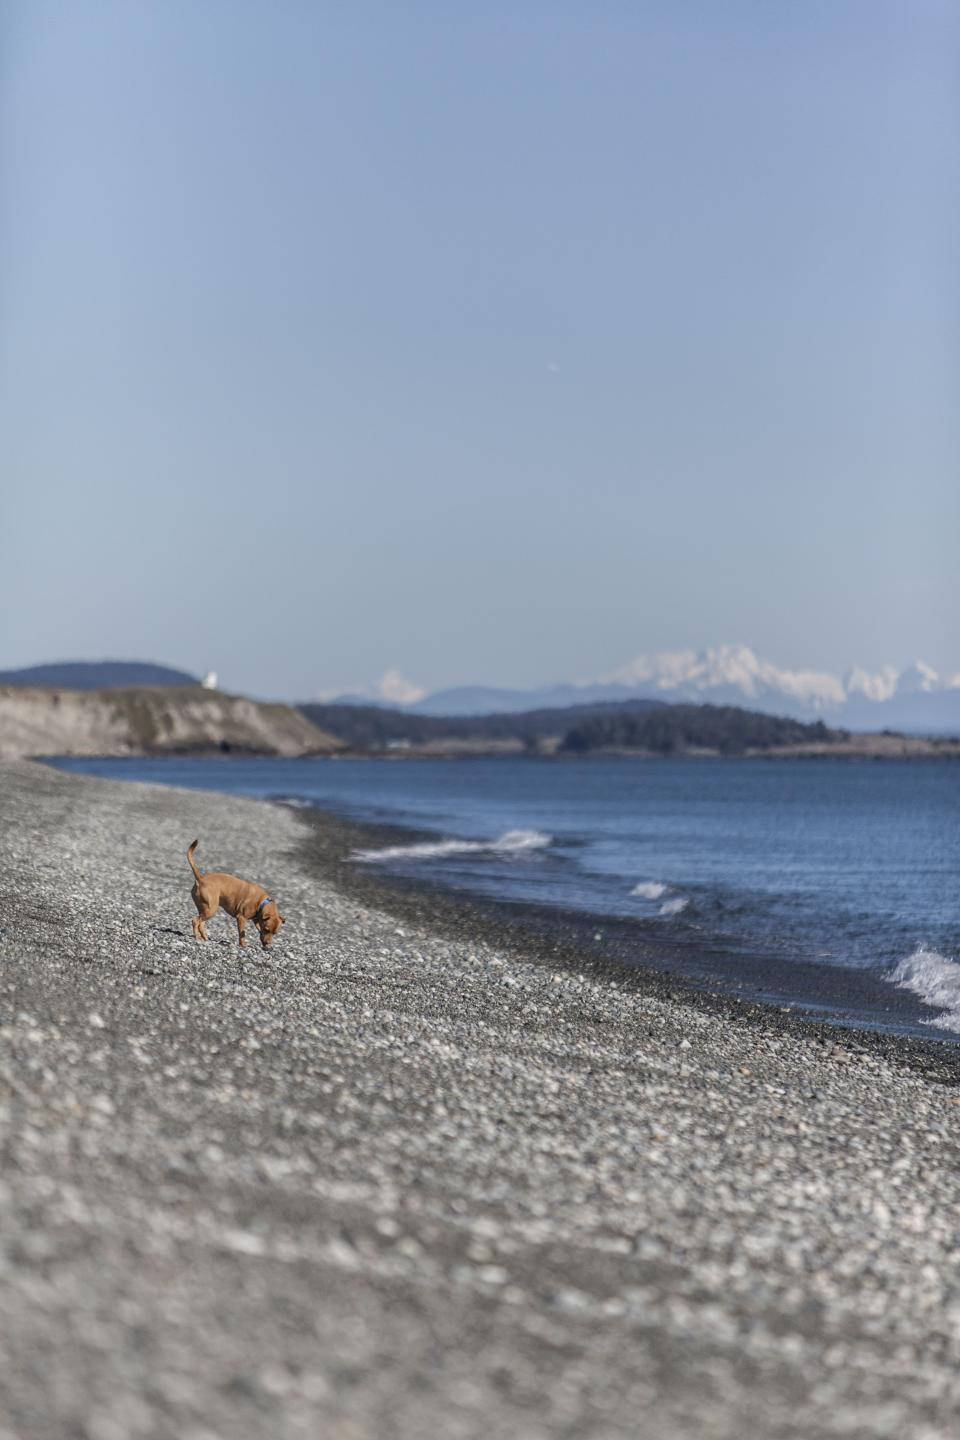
point(240, 898)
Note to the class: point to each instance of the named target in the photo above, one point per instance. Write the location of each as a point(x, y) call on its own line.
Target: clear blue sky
point(496, 342)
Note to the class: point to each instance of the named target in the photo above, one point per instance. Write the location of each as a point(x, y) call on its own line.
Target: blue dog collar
point(265, 901)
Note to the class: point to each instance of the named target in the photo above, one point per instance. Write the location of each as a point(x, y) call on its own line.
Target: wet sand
point(424, 1170)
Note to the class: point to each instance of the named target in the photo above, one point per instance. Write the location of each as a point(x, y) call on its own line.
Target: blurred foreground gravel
point(382, 1184)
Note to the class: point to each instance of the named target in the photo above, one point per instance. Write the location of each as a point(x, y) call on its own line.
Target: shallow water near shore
point(804, 881)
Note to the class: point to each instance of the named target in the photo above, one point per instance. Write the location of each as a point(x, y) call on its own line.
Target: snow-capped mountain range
point(915, 698)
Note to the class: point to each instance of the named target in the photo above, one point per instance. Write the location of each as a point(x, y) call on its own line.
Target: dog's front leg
point(241, 930)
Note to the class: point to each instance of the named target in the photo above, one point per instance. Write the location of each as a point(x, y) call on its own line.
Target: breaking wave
point(511, 843)
point(673, 907)
point(648, 890)
point(936, 980)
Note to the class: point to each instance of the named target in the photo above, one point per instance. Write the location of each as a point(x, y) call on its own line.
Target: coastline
point(568, 939)
point(413, 1173)
point(858, 748)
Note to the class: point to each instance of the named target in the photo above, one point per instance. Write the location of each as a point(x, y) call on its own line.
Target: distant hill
point(151, 720)
point(491, 699)
point(366, 727)
point(678, 729)
point(97, 675)
point(644, 727)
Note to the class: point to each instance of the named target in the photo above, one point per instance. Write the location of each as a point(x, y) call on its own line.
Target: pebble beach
point(413, 1173)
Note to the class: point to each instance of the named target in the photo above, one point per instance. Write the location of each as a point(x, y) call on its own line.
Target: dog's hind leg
point(205, 912)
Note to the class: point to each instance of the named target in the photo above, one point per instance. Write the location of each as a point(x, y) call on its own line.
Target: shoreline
point(387, 1181)
point(562, 938)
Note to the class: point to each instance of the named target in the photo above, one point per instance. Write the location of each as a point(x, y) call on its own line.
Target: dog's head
point(268, 921)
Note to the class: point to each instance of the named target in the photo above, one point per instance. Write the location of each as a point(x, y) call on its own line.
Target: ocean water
point(811, 872)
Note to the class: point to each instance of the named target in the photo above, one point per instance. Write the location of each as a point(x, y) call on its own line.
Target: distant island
point(636, 727)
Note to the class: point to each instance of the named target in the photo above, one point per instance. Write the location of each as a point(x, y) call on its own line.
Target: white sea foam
point(511, 843)
point(673, 907)
point(648, 889)
point(936, 980)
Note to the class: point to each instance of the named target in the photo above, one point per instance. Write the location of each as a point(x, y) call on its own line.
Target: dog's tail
point(198, 873)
